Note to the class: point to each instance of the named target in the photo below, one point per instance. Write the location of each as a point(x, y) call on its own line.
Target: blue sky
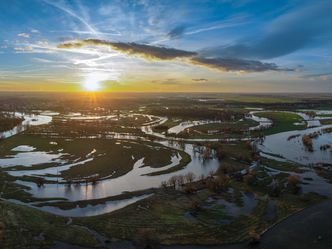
point(188, 45)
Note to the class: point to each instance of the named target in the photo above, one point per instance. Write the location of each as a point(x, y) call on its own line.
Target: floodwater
point(184, 125)
point(294, 150)
point(29, 120)
point(137, 178)
point(92, 210)
point(28, 159)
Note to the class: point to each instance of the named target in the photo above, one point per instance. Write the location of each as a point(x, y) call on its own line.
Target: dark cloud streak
point(162, 53)
point(226, 64)
point(200, 80)
point(143, 50)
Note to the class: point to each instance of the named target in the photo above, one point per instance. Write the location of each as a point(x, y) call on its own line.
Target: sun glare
point(91, 86)
point(92, 81)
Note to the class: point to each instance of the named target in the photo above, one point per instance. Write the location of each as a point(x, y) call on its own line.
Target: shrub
point(190, 188)
point(249, 179)
point(146, 239)
point(293, 181)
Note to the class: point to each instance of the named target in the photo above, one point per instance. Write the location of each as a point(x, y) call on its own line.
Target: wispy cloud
point(319, 76)
point(23, 49)
point(71, 13)
point(24, 35)
point(86, 32)
point(228, 23)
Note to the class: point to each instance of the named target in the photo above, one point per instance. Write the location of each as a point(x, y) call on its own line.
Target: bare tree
point(163, 184)
point(180, 180)
point(190, 177)
point(172, 181)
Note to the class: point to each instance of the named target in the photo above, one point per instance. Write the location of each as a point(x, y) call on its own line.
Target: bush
point(249, 179)
point(190, 188)
point(146, 239)
point(293, 181)
point(2, 231)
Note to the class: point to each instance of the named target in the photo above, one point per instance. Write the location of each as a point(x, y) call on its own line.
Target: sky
point(166, 45)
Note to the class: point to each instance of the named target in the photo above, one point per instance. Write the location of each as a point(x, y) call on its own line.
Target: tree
point(293, 181)
point(220, 153)
point(190, 177)
point(163, 184)
point(172, 181)
point(40, 182)
point(180, 180)
point(217, 184)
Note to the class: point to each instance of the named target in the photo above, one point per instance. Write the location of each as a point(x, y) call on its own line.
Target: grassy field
point(235, 129)
point(282, 166)
point(8, 122)
point(282, 121)
point(326, 121)
point(168, 124)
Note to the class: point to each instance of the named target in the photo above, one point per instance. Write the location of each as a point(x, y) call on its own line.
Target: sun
point(91, 86)
point(92, 81)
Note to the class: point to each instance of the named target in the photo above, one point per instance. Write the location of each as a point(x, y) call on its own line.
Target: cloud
point(200, 80)
point(23, 49)
point(35, 31)
point(176, 32)
point(227, 64)
point(42, 60)
point(84, 32)
point(322, 76)
point(162, 53)
point(170, 81)
point(24, 35)
point(42, 43)
point(142, 50)
point(71, 13)
point(286, 34)
point(180, 31)
point(228, 23)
